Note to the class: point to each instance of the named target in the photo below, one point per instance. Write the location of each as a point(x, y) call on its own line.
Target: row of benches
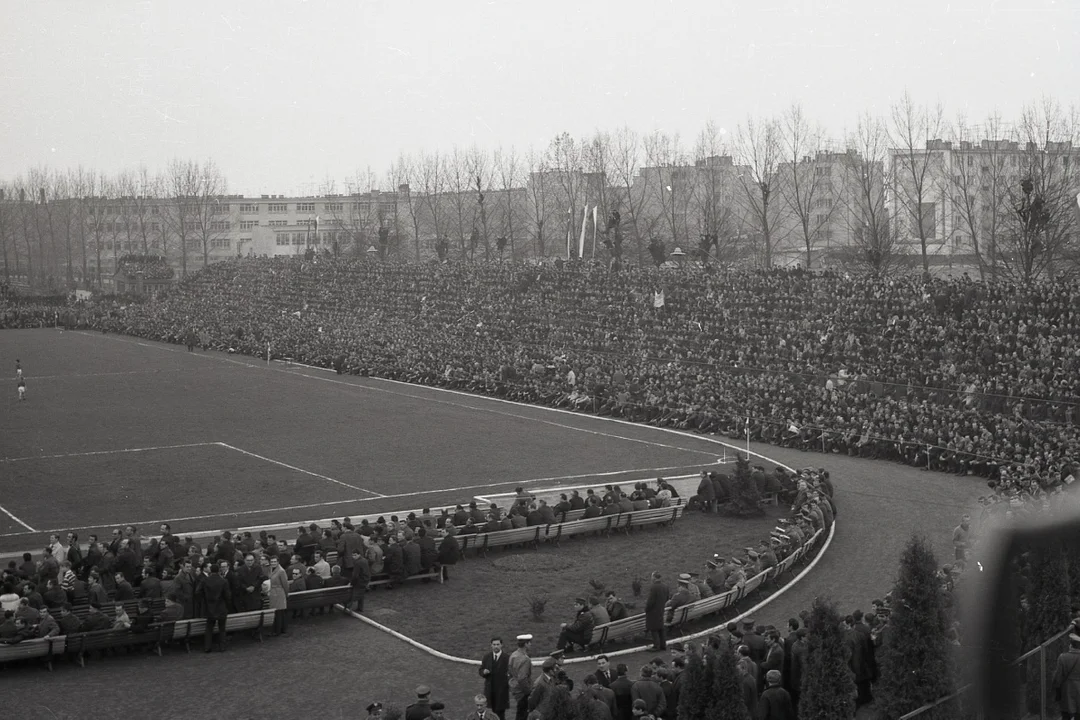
point(635, 625)
point(79, 644)
point(536, 534)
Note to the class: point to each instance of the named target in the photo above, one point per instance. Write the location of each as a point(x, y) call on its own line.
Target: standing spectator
point(481, 712)
point(216, 596)
point(277, 585)
point(519, 670)
point(1066, 682)
point(361, 576)
point(961, 537)
point(495, 669)
point(654, 612)
point(775, 703)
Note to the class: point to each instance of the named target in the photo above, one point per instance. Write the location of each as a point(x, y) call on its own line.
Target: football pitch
point(118, 431)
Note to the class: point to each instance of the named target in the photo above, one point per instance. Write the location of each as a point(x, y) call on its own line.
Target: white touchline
point(10, 515)
point(298, 469)
point(107, 452)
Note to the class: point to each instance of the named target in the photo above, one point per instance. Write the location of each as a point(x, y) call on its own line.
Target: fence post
point(1042, 682)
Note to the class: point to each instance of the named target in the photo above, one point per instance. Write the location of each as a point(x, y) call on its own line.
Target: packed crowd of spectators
point(950, 375)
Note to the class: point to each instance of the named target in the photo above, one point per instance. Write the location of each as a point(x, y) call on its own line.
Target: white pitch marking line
point(107, 452)
point(328, 503)
point(12, 516)
point(301, 470)
point(104, 374)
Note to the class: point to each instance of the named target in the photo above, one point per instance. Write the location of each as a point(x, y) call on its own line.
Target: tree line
point(909, 186)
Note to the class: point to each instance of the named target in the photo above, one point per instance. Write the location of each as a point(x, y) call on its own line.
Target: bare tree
point(673, 184)
point(7, 228)
point(541, 201)
point(433, 186)
point(1040, 231)
point(919, 170)
point(509, 172)
point(977, 187)
point(393, 210)
point(597, 161)
point(634, 189)
point(565, 163)
point(482, 173)
point(712, 197)
point(409, 174)
point(806, 184)
point(461, 201)
point(865, 210)
point(759, 148)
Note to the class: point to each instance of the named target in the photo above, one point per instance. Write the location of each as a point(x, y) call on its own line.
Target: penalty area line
point(16, 519)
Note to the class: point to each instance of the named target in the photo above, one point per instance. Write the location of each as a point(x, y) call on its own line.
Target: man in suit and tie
point(605, 675)
point(495, 669)
point(216, 597)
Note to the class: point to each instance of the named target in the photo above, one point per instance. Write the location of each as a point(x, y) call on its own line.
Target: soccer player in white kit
point(22, 389)
point(18, 368)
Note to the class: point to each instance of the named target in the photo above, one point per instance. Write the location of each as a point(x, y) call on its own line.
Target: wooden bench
point(82, 643)
point(376, 581)
point(602, 524)
point(483, 542)
point(704, 607)
point(320, 598)
point(628, 627)
point(656, 516)
point(45, 648)
point(195, 629)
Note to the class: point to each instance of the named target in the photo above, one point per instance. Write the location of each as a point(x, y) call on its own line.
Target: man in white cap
point(680, 597)
point(520, 671)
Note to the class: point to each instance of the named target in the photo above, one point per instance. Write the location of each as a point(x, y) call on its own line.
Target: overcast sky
point(285, 94)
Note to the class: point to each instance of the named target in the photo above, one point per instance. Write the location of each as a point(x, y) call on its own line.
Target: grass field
point(116, 431)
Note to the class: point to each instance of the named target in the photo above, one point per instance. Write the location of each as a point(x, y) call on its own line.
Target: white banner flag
point(581, 240)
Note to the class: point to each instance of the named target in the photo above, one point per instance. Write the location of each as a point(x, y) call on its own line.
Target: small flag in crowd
point(658, 299)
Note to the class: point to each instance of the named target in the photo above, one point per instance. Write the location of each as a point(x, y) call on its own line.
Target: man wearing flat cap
point(374, 711)
point(775, 703)
point(579, 630)
point(420, 709)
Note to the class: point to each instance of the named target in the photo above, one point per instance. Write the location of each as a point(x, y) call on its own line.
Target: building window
point(220, 225)
point(305, 207)
point(283, 238)
point(249, 207)
point(248, 224)
point(193, 244)
point(334, 207)
point(221, 243)
point(298, 239)
point(155, 227)
point(278, 208)
point(278, 223)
